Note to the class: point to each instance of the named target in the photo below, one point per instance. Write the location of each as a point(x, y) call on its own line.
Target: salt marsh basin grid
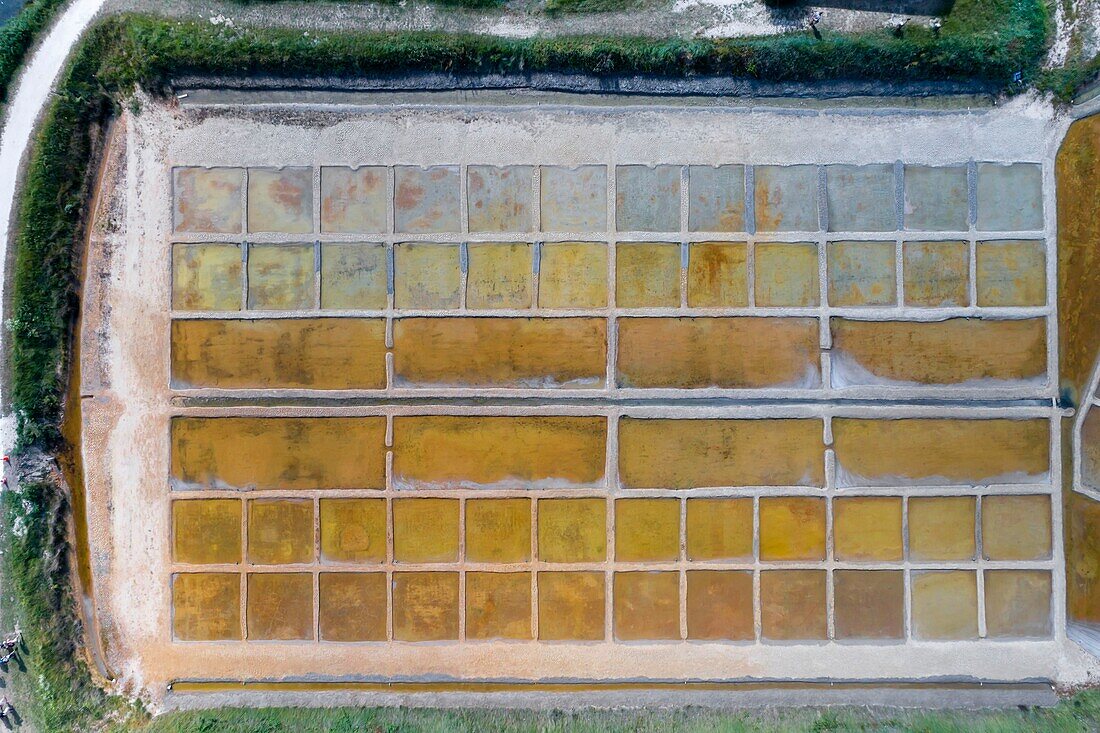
point(128, 400)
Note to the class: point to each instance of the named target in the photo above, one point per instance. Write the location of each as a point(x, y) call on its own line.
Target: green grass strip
point(19, 34)
point(1076, 714)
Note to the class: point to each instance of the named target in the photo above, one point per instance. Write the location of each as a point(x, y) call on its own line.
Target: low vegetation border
point(123, 52)
point(19, 34)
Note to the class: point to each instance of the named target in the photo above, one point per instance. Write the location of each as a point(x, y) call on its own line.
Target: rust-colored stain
point(207, 200)
point(792, 528)
point(719, 605)
point(933, 450)
point(945, 605)
point(426, 199)
point(684, 454)
point(206, 606)
point(498, 530)
point(425, 606)
point(1017, 604)
point(936, 273)
point(1077, 175)
point(206, 277)
point(954, 351)
point(718, 275)
point(279, 353)
point(425, 530)
point(498, 606)
point(571, 606)
point(499, 275)
point(719, 529)
point(280, 531)
point(280, 606)
point(206, 531)
point(353, 531)
point(942, 528)
point(738, 352)
point(792, 605)
point(501, 352)
point(354, 200)
point(1083, 520)
point(500, 199)
point(647, 530)
point(1016, 527)
point(572, 530)
point(453, 451)
point(646, 605)
point(280, 200)
point(867, 529)
point(1077, 179)
point(869, 604)
point(786, 198)
point(352, 606)
point(278, 453)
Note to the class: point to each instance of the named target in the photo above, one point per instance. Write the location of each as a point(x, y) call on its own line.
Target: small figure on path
point(11, 641)
point(5, 709)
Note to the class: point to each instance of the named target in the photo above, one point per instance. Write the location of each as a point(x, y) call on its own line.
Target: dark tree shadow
point(792, 10)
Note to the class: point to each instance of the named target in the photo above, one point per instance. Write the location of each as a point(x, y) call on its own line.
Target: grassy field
point(19, 34)
point(1080, 713)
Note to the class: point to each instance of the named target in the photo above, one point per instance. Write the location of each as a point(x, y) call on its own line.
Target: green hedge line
point(36, 572)
point(18, 35)
point(956, 53)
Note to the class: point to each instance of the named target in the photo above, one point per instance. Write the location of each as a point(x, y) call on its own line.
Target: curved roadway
point(31, 94)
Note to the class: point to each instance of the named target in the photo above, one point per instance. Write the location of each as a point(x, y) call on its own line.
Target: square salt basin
point(574, 199)
point(861, 198)
point(500, 199)
point(206, 606)
point(936, 198)
point(427, 275)
point(716, 198)
point(571, 606)
point(207, 200)
point(1010, 197)
point(786, 274)
point(500, 275)
point(206, 277)
point(786, 198)
point(647, 275)
point(862, 273)
point(280, 200)
point(353, 276)
point(936, 274)
point(647, 199)
point(355, 200)
point(280, 276)
point(572, 275)
point(426, 199)
point(1011, 273)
